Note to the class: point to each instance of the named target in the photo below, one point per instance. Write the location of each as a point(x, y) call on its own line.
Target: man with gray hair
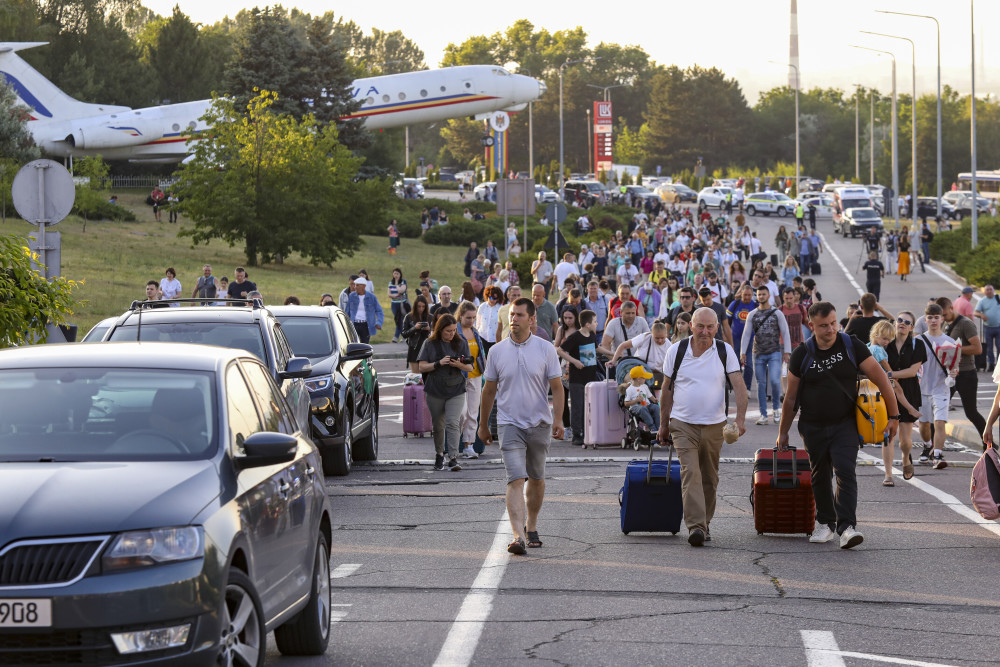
point(693, 409)
point(626, 327)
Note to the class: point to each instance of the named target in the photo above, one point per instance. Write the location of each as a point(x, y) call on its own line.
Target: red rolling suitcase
point(416, 416)
point(782, 496)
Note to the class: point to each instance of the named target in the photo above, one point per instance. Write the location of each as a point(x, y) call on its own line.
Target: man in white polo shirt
point(521, 370)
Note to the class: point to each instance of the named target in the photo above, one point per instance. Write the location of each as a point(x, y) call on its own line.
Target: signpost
point(556, 212)
point(515, 196)
point(603, 123)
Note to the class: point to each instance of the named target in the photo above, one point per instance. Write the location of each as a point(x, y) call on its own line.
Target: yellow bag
point(875, 418)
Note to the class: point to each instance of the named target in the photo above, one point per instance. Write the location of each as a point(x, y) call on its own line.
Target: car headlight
point(319, 383)
point(151, 547)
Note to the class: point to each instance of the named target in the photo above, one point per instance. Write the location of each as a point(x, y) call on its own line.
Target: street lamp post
point(895, 161)
point(913, 123)
point(857, 135)
point(796, 120)
point(607, 89)
point(936, 23)
point(972, 100)
point(871, 138)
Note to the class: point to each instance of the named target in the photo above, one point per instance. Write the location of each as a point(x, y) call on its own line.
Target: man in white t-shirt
point(935, 388)
point(693, 411)
point(650, 347)
point(627, 273)
point(564, 269)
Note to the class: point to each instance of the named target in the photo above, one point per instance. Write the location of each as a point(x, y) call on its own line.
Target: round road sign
point(43, 192)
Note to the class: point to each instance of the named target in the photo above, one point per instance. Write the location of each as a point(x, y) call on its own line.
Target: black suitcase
point(815, 268)
point(651, 496)
point(774, 262)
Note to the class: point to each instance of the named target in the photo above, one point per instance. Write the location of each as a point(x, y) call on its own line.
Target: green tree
point(288, 185)
point(176, 53)
point(695, 113)
point(16, 144)
point(27, 300)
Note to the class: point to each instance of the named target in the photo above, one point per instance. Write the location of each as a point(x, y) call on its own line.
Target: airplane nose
point(542, 88)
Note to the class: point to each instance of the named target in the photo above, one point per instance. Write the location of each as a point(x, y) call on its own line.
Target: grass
point(115, 260)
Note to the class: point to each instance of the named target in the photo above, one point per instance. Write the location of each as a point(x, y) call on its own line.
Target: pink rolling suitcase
point(416, 416)
point(603, 419)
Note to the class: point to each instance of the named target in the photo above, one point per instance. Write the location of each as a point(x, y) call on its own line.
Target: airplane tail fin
point(45, 100)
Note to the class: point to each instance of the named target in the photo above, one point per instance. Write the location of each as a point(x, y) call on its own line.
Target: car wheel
point(751, 210)
point(722, 205)
point(308, 632)
point(782, 211)
point(337, 459)
point(243, 637)
point(367, 447)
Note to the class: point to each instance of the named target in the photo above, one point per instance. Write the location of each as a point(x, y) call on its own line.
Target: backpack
point(682, 347)
point(984, 487)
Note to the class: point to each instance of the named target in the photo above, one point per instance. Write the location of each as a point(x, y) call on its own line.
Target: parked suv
point(675, 193)
point(856, 221)
point(587, 193)
point(713, 196)
point(343, 386)
point(927, 208)
point(248, 326)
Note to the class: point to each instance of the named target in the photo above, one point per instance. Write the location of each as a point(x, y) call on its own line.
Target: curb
point(605, 459)
point(964, 432)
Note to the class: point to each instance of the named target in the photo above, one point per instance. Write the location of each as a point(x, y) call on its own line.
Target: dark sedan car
point(343, 387)
point(158, 505)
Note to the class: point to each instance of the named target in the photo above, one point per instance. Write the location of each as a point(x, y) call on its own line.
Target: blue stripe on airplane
point(26, 95)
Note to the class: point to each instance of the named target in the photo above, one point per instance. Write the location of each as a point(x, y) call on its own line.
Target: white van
point(850, 196)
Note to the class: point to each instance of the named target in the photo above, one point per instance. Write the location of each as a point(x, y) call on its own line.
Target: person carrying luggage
point(693, 410)
point(822, 379)
point(445, 361)
point(520, 372)
point(580, 349)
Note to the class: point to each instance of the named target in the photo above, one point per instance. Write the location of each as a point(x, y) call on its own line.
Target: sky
point(740, 38)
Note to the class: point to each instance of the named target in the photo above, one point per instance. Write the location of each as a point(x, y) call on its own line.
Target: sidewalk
point(389, 351)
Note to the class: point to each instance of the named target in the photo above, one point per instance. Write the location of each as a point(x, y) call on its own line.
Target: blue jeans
point(926, 247)
point(397, 315)
point(805, 261)
point(649, 414)
point(992, 342)
point(768, 369)
point(748, 367)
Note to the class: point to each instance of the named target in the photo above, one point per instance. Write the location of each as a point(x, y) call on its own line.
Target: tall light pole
point(913, 123)
point(773, 62)
point(562, 168)
point(975, 196)
point(871, 140)
point(936, 23)
point(895, 161)
point(857, 134)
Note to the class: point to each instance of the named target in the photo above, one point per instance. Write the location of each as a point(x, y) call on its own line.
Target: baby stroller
point(637, 434)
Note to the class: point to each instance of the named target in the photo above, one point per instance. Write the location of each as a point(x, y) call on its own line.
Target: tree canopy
point(276, 184)
point(27, 300)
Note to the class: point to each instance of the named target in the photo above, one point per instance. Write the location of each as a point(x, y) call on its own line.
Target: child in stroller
point(641, 408)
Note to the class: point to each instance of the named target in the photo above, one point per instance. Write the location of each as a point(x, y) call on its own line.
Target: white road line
point(460, 645)
point(345, 570)
point(836, 258)
point(821, 649)
point(949, 501)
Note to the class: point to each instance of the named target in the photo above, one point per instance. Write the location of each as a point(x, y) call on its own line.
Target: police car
point(823, 205)
point(768, 203)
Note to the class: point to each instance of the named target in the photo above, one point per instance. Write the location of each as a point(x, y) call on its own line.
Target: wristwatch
point(889, 373)
point(896, 417)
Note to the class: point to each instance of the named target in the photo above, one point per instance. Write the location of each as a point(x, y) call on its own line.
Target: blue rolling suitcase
point(651, 497)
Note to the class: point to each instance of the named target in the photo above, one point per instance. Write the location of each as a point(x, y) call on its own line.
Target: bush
point(460, 232)
point(93, 205)
point(980, 266)
point(409, 229)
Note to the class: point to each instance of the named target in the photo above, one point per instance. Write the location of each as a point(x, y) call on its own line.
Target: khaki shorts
point(523, 450)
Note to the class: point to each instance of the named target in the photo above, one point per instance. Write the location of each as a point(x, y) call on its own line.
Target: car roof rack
point(146, 304)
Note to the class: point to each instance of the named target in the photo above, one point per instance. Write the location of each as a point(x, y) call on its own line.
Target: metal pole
point(531, 147)
point(406, 149)
point(975, 195)
point(857, 136)
point(938, 26)
point(795, 67)
point(913, 121)
point(895, 162)
point(590, 154)
point(871, 139)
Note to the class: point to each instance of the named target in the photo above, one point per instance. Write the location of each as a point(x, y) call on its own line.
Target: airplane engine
point(111, 135)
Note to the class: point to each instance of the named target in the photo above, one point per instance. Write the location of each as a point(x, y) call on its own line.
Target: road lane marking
point(822, 651)
point(836, 258)
point(460, 644)
point(949, 501)
point(345, 570)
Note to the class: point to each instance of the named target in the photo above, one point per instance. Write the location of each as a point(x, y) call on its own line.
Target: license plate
point(33, 613)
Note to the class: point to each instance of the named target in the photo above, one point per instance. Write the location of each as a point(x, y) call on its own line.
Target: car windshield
point(309, 336)
point(854, 203)
point(864, 214)
point(102, 414)
point(223, 334)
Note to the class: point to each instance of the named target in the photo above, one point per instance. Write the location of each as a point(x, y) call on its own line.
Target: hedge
point(980, 266)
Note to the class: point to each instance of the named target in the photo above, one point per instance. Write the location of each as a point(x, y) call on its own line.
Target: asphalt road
point(421, 575)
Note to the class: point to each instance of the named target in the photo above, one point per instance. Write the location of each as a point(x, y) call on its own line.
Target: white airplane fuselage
point(65, 127)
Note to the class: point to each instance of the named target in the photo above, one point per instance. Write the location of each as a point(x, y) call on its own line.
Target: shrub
point(980, 266)
point(460, 232)
point(409, 229)
point(93, 205)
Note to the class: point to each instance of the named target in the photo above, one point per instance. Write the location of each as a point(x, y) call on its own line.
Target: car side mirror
point(267, 448)
point(297, 367)
point(357, 352)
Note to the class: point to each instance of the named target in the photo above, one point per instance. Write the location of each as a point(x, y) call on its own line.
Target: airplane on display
point(65, 127)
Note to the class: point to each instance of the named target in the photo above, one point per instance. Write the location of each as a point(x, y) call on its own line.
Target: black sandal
point(533, 540)
point(517, 547)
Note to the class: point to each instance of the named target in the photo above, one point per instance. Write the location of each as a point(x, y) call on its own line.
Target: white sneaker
point(777, 416)
point(822, 533)
point(851, 538)
point(762, 421)
point(469, 453)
